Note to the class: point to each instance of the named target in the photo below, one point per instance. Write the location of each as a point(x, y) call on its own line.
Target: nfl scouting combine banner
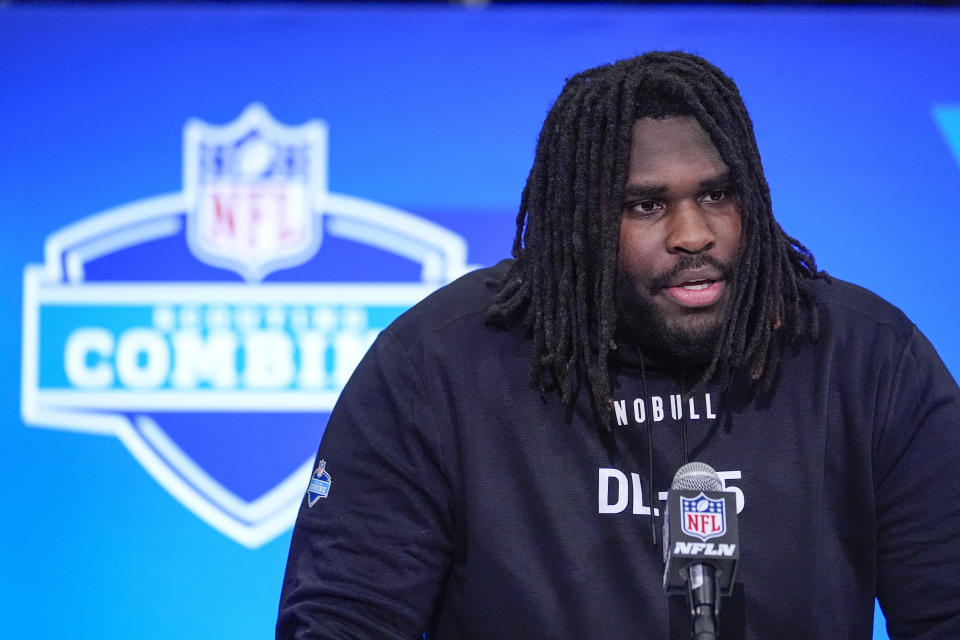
point(209, 213)
point(165, 358)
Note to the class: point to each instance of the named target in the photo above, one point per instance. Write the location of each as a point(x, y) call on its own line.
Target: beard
point(690, 338)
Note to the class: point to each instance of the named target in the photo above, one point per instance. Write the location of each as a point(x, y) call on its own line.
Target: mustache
point(686, 263)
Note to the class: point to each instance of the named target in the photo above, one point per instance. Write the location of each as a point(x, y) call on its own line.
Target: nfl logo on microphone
point(703, 517)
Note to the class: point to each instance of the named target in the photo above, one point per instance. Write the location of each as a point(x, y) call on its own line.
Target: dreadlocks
point(562, 283)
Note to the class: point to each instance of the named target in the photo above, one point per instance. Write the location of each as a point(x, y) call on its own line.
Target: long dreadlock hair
point(562, 283)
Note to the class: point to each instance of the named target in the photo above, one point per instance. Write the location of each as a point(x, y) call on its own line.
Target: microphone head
point(696, 476)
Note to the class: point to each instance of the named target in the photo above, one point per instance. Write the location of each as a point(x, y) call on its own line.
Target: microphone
point(700, 544)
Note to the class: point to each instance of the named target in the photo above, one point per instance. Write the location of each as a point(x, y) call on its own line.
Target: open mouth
point(697, 285)
point(696, 293)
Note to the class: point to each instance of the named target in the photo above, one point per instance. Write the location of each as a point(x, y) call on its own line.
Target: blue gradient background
point(434, 110)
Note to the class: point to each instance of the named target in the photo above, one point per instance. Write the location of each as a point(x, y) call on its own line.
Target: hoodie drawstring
point(654, 497)
point(650, 468)
point(683, 416)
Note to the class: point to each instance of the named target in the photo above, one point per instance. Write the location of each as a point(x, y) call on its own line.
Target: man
point(495, 463)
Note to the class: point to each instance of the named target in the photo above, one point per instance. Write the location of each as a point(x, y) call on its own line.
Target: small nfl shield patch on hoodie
point(319, 484)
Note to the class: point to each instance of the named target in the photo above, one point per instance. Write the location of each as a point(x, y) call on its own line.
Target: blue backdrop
point(148, 488)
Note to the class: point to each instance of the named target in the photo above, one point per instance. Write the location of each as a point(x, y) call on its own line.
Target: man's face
point(679, 239)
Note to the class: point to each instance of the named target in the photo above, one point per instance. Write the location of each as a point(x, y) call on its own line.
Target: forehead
point(676, 143)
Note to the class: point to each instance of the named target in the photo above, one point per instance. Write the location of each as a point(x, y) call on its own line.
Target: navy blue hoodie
point(465, 504)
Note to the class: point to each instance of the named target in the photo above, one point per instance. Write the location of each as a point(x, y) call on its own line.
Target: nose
point(690, 231)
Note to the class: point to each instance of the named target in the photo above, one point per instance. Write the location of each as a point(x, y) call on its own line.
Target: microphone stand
point(703, 594)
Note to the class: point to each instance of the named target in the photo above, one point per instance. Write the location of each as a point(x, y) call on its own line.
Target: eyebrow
point(640, 191)
point(721, 181)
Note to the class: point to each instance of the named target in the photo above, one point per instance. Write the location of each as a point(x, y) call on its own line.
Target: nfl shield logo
point(703, 517)
point(319, 484)
point(254, 191)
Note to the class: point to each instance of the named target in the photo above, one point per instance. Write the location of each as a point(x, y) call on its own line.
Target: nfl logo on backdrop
point(251, 188)
point(703, 517)
point(211, 330)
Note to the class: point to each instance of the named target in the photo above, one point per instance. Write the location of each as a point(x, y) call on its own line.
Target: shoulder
point(846, 307)
point(864, 337)
point(458, 306)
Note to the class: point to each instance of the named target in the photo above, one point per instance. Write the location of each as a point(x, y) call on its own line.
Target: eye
point(645, 207)
point(716, 195)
